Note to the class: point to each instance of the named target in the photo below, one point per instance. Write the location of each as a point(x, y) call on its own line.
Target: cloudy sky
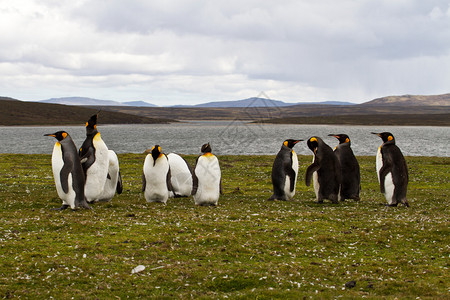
point(192, 51)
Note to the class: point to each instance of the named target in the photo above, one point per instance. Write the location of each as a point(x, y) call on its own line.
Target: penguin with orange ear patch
point(67, 171)
point(350, 174)
point(156, 177)
point(284, 172)
point(325, 171)
point(207, 178)
point(392, 170)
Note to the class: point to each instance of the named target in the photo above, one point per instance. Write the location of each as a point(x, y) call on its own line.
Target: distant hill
point(262, 102)
point(416, 100)
point(83, 101)
point(8, 99)
point(14, 112)
point(139, 104)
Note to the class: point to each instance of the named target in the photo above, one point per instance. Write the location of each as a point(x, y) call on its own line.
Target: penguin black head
point(386, 137)
point(60, 135)
point(91, 125)
point(156, 152)
point(290, 143)
point(206, 148)
point(342, 138)
point(313, 143)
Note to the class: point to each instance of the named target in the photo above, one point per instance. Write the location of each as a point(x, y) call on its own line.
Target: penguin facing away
point(325, 171)
point(181, 176)
point(392, 171)
point(67, 172)
point(285, 171)
point(156, 176)
point(207, 178)
point(350, 172)
point(94, 155)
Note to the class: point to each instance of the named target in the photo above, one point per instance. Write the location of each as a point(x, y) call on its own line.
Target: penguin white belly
point(208, 173)
point(388, 181)
point(316, 184)
point(389, 188)
point(98, 171)
point(181, 177)
point(109, 189)
point(57, 164)
point(379, 163)
point(287, 184)
point(156, 179)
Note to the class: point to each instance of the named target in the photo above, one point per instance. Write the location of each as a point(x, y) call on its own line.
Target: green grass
point(246, 247)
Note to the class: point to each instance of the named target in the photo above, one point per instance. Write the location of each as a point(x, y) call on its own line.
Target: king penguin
point(207, 178)
point(67, 172)
point(350, 173)
point(325, 171)
point(284, 172)
point(156, 176)
point(181, 176)
point(101, 165)
point(392, 170)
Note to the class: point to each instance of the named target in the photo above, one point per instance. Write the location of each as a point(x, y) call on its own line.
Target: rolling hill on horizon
point(18, 113)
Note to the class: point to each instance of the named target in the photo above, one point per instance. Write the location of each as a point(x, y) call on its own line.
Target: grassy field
point(247, 247)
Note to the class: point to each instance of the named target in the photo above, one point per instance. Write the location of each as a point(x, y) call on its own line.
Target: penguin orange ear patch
point(347, 140)
point(159, 149)
point(64, 135)
point(87, 124)
point(390, 138)
point(313, 139)
point(285, 143)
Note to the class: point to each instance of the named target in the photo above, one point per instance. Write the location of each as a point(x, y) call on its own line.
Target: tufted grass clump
point(246, 247)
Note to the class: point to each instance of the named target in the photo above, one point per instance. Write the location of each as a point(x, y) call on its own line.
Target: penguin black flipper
point(119, 187)
point(64, 176)
point(108, 176)
point(88, 158)
point(220, 186)
point(194, 179)
point(291, 173)
point(144, 182)
point(168, 181)
point(309, 172)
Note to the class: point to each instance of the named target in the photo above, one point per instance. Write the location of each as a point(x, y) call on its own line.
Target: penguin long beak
point(297, 141)
point(375, 133)
point(334, 135)
point(50, 134)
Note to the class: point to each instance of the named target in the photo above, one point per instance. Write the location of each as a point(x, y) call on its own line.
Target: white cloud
point(195, 51)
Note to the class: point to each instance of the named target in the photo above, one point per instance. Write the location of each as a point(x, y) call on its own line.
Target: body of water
point(228, 137)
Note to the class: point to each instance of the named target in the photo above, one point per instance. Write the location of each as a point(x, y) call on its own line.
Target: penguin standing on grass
point(392, 170)
point(350, 173)
point(207, 180)
point(156, 176)
point(67, 172)
point(325, 171)
point(181, 176)
point(101, 165)
point(284, 172)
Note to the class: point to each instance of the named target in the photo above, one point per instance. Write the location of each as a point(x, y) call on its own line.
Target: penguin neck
point(207, 154)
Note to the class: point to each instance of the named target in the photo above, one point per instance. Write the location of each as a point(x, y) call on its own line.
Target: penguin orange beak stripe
point(50, 134)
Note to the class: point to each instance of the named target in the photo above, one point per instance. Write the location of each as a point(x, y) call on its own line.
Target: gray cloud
point(194, 51)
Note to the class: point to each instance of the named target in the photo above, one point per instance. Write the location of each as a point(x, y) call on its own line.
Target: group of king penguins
point(336, 174)
point(91, 173)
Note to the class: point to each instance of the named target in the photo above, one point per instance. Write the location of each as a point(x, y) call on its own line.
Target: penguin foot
point(63, 207)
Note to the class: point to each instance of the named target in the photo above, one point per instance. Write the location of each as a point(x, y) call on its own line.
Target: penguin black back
point(327, 169)
point(350, 171)
point(285, 168)
point(87, 150)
